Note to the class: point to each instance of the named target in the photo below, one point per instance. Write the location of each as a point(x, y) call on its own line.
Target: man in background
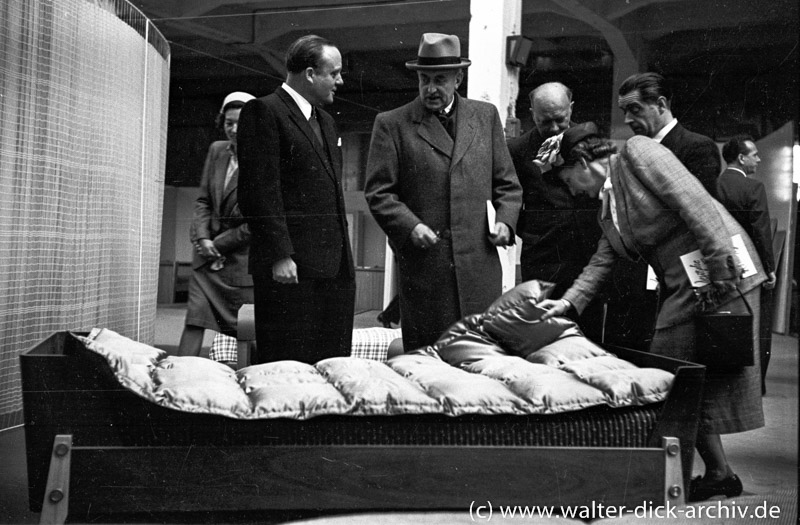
point(559, 232)
point(746, 199)
point(646, 101)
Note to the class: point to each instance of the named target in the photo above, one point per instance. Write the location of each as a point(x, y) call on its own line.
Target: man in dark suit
point(559, 232)
point(433, 165)
point(646, 100)
point(746, 199)
point(291, 194)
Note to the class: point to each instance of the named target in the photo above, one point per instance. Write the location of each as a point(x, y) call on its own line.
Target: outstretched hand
point(553, 308)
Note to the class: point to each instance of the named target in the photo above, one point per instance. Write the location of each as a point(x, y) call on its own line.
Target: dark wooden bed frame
point(95, 448)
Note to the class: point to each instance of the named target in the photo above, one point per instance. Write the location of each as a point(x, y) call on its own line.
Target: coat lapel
point(465, 130)
point(219, 182)
point(299, 119)
point(615, 237)
point(431, 131)
point(231, 187)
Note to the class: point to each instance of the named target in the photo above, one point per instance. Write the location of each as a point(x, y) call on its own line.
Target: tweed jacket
point(417, 173)
point(217, 217)
point(291, 185)
point(746, 200)
point(663, 213)
point(698, 153)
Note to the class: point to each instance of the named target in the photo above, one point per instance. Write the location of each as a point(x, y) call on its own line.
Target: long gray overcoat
point(417, 173)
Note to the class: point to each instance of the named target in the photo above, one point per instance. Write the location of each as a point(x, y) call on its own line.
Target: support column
point(491, 80)
point(625, 62)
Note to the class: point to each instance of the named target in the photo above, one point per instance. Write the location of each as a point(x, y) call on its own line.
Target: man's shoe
point(729, 487)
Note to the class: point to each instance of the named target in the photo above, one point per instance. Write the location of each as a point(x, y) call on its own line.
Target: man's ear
point(662, 104)
point(309, 74)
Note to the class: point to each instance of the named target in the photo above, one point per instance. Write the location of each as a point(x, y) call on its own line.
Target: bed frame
point(94, 448)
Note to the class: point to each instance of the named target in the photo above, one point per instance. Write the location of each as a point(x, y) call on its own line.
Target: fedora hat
point(438, 51)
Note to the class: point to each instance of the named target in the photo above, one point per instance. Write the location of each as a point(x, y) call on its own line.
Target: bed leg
point(56, 495)
point(673, 473)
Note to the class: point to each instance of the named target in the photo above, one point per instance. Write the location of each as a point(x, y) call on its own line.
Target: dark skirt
point(214, 304)
point(731, 400)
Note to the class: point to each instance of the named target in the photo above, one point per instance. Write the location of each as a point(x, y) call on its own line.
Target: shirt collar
point(449, 107)
point(737, 169)
point(666, 129)
point(302, 103)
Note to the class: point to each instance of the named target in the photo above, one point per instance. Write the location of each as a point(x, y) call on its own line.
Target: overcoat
point(417, 173)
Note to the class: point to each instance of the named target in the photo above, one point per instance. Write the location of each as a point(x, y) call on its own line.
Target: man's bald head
point(551, 108)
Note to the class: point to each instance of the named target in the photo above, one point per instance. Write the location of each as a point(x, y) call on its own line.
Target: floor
point(766, 459)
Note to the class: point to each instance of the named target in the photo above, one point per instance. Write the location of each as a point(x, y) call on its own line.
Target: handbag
point(724, 340)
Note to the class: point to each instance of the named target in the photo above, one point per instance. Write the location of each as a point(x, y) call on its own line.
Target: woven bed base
point(596, 427)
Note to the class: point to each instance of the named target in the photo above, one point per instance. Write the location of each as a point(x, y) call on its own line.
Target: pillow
point(513, 319)
point(464, 342)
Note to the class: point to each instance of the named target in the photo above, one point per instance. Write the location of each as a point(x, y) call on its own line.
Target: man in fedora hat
point(433, 165)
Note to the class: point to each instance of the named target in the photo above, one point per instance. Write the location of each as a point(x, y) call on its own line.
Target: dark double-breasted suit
point(291, 195)
point(417, 173)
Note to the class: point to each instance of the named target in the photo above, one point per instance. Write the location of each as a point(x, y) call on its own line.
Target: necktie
point(448, 121)
point(314, 123)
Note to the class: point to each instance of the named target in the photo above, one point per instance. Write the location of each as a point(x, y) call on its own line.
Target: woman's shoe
point(700, 490)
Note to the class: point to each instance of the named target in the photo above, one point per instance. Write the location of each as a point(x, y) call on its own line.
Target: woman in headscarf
point(653, 209)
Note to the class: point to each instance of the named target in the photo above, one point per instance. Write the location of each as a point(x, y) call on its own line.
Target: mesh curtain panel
point(83, 123)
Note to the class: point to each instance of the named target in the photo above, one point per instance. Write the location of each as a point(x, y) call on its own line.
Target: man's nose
point(628, 118)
